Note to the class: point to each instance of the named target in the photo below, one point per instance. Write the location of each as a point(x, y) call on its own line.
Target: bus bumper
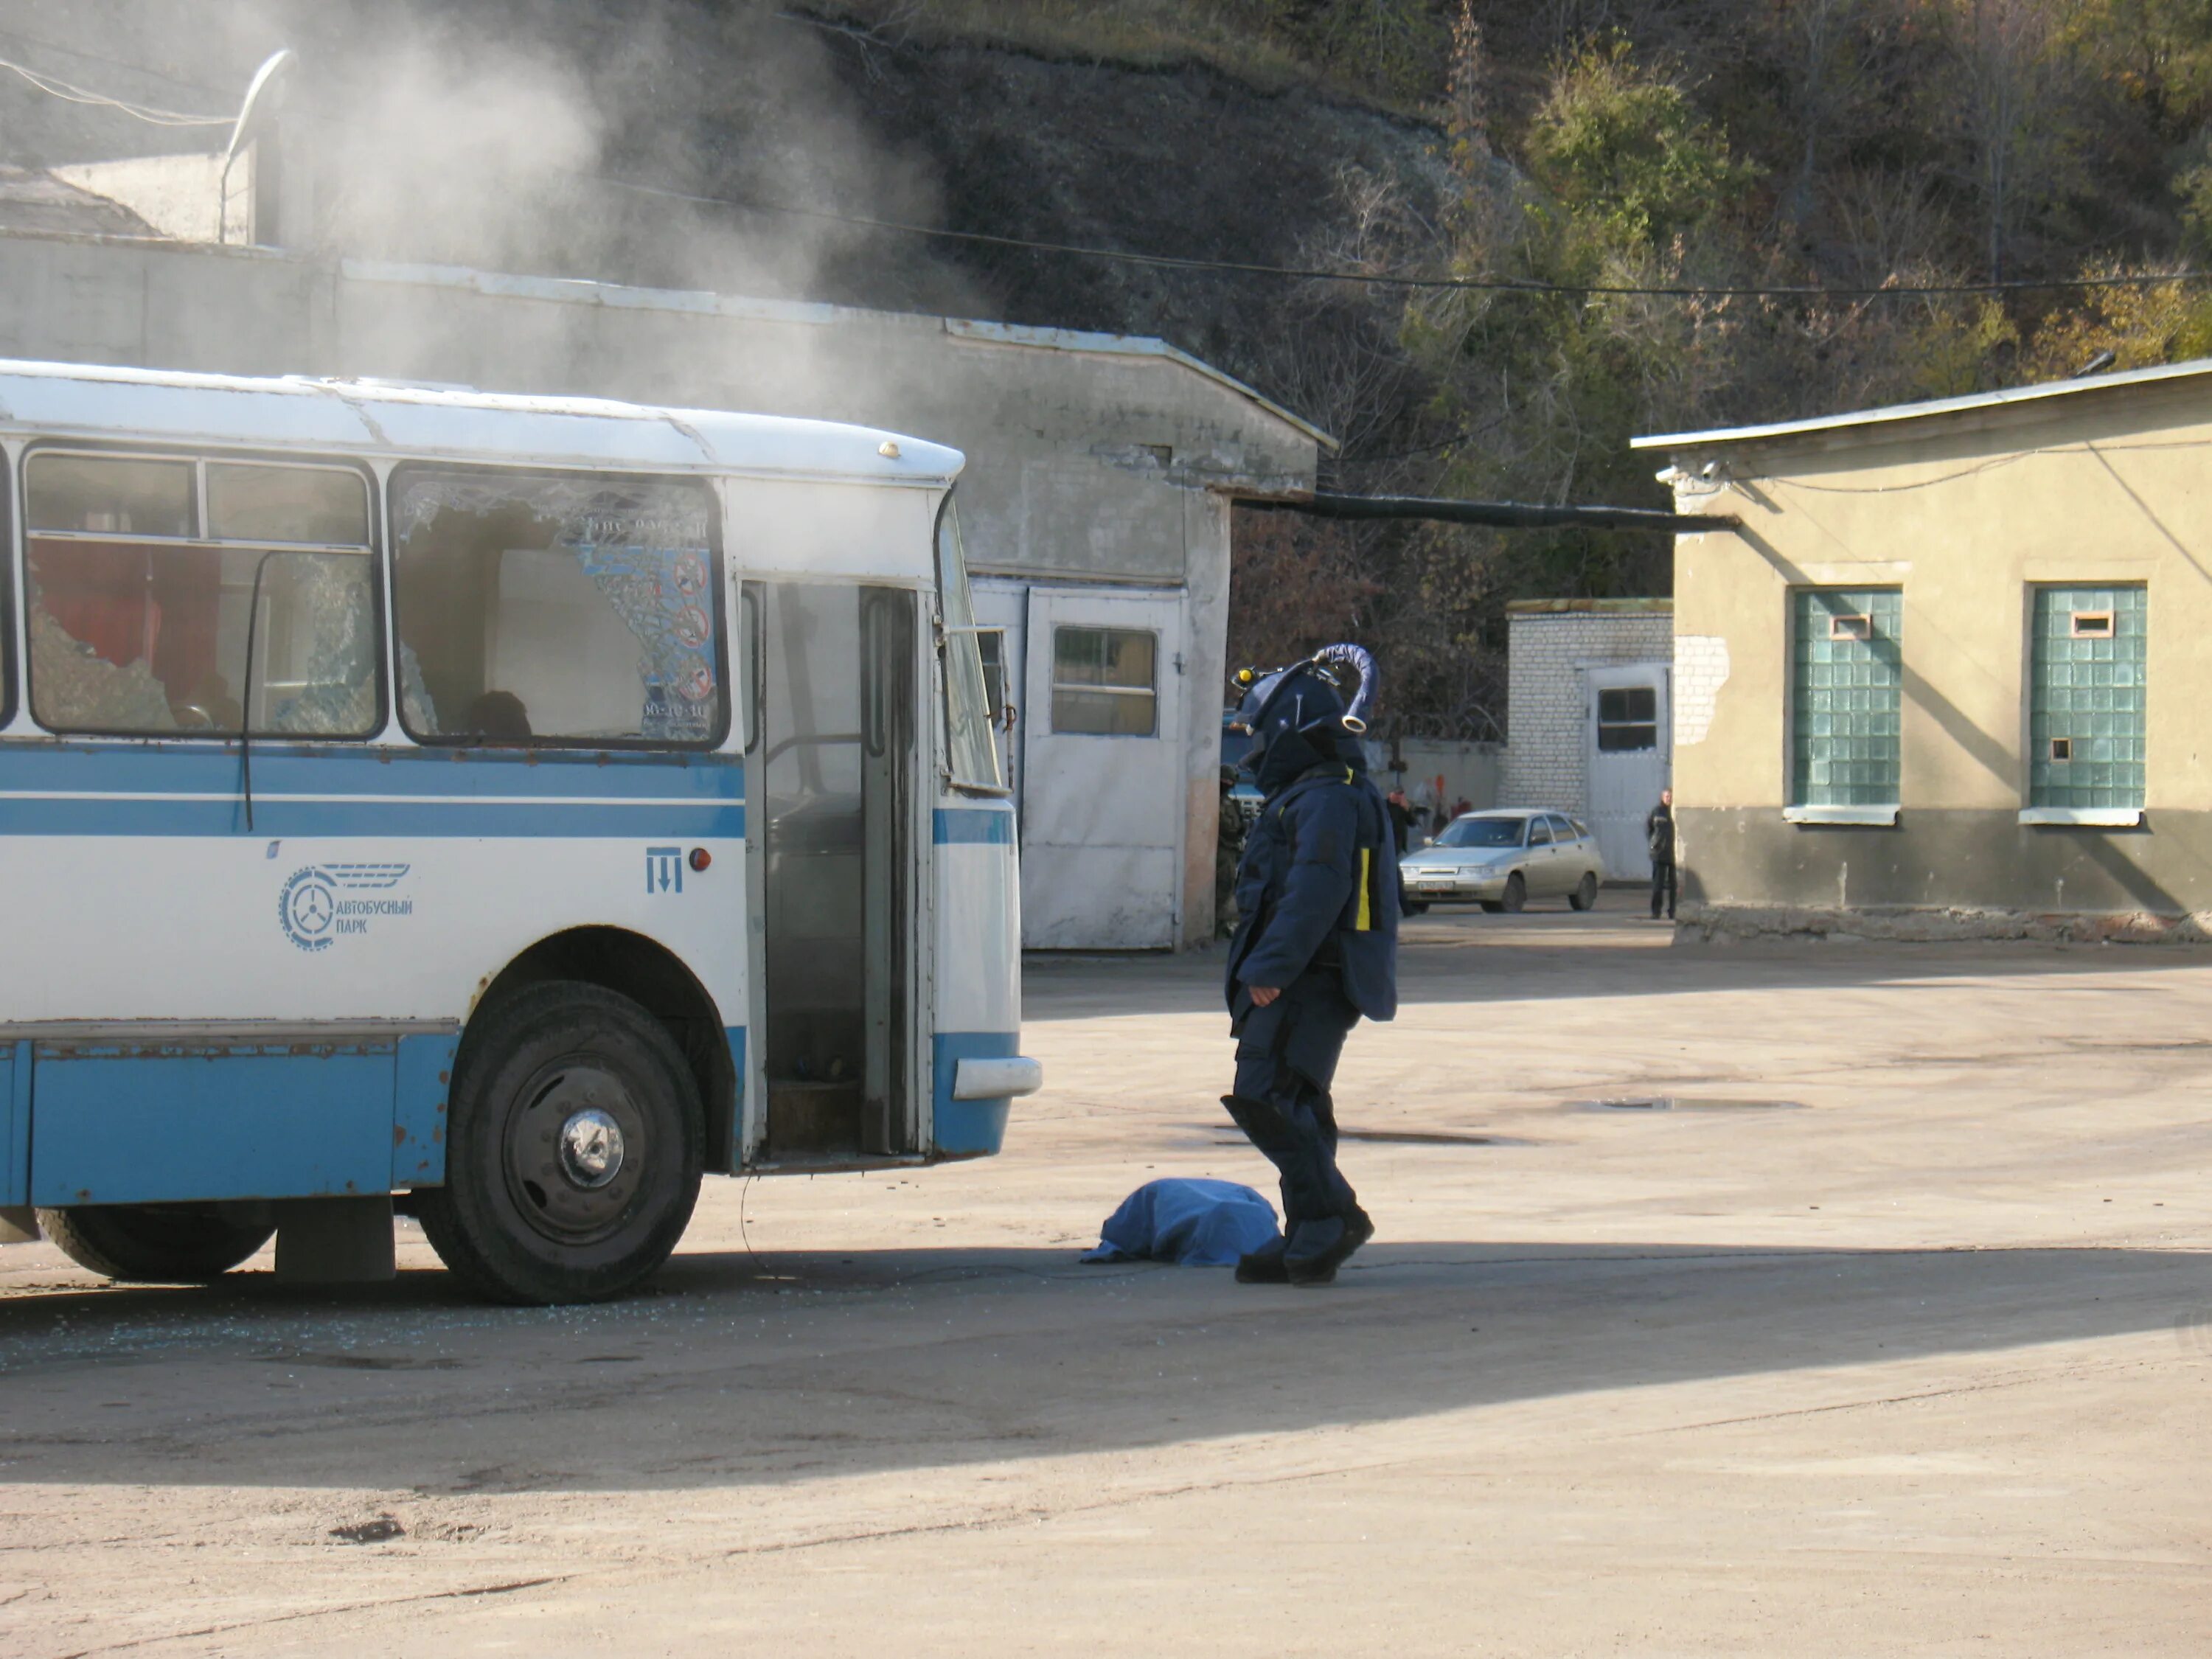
point(979, 1074)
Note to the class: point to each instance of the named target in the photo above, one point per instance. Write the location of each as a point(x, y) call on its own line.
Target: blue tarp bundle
point(1193, 1223)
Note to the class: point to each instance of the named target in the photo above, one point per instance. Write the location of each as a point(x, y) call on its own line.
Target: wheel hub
point(591, 1148)
point(577, 1146)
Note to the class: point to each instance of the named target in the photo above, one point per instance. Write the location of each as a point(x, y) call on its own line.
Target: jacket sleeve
point(1324, 838)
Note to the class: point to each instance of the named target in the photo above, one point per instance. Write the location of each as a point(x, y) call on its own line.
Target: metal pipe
point(1504, 515)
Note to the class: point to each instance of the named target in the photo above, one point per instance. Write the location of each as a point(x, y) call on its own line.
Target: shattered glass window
point(573, 609)
point(140, 619)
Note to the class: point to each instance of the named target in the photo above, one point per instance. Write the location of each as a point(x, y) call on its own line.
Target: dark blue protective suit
point(1317, 899)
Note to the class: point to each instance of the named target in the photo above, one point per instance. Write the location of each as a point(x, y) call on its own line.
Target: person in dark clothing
point(1228, 853)
point(1659, 837)
point(1315, 950)
point(1401, 820)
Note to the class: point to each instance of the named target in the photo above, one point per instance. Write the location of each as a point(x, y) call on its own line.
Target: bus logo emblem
point(306, 907)
point(664, 869)
point(316, 904)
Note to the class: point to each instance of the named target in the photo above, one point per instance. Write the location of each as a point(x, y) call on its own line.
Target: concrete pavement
point(1892, 1333)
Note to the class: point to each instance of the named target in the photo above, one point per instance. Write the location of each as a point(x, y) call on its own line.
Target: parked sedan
point(1501, 859)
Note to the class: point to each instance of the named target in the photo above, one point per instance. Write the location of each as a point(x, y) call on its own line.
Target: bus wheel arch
point(651, 974)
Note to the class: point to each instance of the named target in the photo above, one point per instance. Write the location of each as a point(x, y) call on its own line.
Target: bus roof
point(383, 418)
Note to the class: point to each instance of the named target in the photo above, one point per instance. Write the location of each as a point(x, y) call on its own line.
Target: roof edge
point(574, 291)
point(1626, 607)
point(1897, 413)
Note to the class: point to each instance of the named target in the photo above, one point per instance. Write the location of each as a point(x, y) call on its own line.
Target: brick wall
point(1547, 708)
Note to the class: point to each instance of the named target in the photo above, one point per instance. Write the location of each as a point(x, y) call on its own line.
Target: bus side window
point(140, 612)
point(558, 608)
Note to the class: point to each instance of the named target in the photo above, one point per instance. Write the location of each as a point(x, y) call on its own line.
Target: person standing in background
point(1401, 820)
point(1659, 837)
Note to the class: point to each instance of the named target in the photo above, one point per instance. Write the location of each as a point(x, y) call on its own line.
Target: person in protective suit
point(1316, 949)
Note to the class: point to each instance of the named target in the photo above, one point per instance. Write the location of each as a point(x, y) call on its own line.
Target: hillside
point(1831, 144)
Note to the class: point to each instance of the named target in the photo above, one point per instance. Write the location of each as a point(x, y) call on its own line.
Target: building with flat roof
point(1946, 677)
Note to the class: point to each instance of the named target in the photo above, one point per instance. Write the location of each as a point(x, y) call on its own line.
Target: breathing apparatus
point(1297, 715)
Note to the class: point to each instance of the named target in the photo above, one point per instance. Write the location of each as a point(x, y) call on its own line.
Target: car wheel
point(1416, 906)
point(1584, 895)
point(1494, 906)
point(1516, 892)
point(574, 1155)
point(158, 1243)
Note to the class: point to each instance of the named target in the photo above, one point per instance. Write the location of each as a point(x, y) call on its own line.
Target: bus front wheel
point(573, 1145)
point(158, 1243)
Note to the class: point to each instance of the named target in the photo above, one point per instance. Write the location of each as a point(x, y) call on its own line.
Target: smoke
point(487, 135)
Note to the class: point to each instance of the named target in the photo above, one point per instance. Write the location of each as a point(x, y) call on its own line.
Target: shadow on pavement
point(743, 1369)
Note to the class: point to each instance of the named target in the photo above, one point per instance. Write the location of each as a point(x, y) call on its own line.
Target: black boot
point(1320, 1267)
point(1265, 1265)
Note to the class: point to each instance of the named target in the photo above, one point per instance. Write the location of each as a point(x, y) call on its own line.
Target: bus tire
point(573, 1145)
point(155, 1244)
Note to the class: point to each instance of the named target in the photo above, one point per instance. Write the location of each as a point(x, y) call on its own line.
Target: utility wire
point(69, 92)
point(1385, 279)
point(64, 89)
point(82, 56)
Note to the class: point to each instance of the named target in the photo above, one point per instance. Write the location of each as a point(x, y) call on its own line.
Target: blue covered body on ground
point(1193, 1223)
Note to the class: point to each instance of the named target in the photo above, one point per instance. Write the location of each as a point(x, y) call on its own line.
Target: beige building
point(1949, 677)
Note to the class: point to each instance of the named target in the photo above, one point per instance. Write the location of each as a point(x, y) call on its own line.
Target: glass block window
point(2086, 694)
point(1845, 675)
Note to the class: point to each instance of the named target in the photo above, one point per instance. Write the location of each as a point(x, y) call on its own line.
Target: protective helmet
point(1297, 715)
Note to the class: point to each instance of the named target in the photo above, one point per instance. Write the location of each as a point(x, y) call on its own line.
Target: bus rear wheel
point(158, 1243)
point(575, 1142)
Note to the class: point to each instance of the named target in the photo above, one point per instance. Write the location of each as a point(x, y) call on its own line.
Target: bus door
point(831, 867)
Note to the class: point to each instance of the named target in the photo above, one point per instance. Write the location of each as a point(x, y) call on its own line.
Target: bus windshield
point(971, 756)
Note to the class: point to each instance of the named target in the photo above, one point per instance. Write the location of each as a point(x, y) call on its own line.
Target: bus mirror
point(991, 649)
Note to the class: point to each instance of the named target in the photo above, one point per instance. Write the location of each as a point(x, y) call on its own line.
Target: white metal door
point(1103, 790)
point(1630, 748)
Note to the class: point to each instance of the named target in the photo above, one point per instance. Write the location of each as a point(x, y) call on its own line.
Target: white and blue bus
point(505, 808)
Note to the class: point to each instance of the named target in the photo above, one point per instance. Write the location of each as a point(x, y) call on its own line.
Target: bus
point(497, 810)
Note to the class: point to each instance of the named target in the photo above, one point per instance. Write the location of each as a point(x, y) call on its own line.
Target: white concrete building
point(1589, 687)
point(1096, 501)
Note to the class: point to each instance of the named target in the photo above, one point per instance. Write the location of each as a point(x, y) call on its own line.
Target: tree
point(2008, 84)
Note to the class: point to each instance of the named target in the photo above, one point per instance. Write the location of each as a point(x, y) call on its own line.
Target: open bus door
point(831, 869)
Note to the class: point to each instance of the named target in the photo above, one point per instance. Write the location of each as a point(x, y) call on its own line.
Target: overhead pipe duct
point(1502, 515)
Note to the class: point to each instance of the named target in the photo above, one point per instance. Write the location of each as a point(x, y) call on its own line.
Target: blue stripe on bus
point(132, 789)
point(212, 769)
point(961, 826)
point(16, 1123)
point(278, 817)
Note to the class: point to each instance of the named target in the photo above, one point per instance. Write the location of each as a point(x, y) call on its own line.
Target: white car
point(1502, 859)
